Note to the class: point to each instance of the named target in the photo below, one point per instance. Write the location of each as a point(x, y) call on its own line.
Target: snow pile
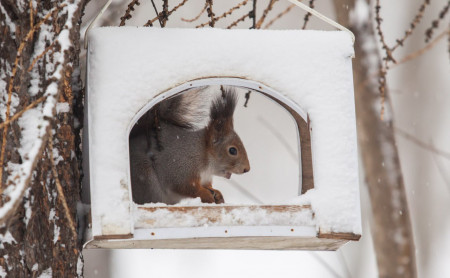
point(6, 238)
point(234, 216)
point(128, 67)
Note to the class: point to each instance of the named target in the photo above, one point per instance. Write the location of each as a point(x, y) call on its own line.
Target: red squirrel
point(171, 160)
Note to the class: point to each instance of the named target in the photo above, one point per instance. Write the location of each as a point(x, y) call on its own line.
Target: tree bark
point(38, 234)
point(391, 225)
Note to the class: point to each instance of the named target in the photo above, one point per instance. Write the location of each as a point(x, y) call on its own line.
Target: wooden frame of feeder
point(219, 235)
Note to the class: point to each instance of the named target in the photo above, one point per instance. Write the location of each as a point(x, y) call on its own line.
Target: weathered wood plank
point(240, 243)
point(165, 217)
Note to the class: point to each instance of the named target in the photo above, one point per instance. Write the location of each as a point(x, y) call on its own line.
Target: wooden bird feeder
point(309, 73)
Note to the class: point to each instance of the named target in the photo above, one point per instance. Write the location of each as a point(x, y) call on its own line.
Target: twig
point(246, 192)
point(382, 89)
point(308, 15)
point(225, 14)
point(164, 13)
point(280, 137)
point(325, 264)
point(442, 171)
point(41, 55)
point(157, 13)
point(61, 195)
point(341, 257)
point(435, 23)
point(127, 14)
point(242, 18)
point(18, 114)
point(280, 15)
point(409, 57)
point(198, 16)
point(421, 144)
point(412, 25)
point(424, 49)
point(210, 13)
point(150, 22)
point(378, 20)
point(31, 14)
point(247, 98)
point(253, 15)
point(266, 11)
point(11, 83)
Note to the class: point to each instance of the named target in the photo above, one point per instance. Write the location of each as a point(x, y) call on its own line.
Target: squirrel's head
point(225, 149)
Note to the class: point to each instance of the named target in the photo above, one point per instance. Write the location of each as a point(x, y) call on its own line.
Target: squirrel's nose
point(246, 170)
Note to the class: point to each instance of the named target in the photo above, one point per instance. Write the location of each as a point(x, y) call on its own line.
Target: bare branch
point(435, 24)
point(127, 14)
point(242, 18)
point(18, 114)
point(157, 13)
point(423, 50)
point(266, 11)
point(41, 55)
point(308, 15)
point(280, 15)
point(210, 13)
point(412, 25)
point(162, 16)
point(225, 14)
point(247, 98)
point(61, 195)
point(442, 172)
point(325, 264)
point(245, 192)
point(421, 144)
point(280, 138)
point(198, 16)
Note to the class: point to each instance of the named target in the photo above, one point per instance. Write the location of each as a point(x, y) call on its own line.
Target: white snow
point(27, 206)
point(240, 216)
point(35, 267)
point(80, 265)
point(51, 214)
point(12, 27)
point(56, 230)
point(62, 107)
point(46, 273)
point(129, 66)
point(6, 238)
point(2, 272)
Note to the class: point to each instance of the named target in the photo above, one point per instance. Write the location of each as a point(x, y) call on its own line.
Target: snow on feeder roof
point(130, 69)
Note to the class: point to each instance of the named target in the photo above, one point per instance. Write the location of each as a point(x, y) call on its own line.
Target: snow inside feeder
point(307, 72)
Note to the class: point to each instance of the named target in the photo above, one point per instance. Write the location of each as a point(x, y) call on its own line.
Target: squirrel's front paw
point(218, 197)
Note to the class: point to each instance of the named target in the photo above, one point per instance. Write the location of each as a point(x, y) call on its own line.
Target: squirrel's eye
point(232, 151)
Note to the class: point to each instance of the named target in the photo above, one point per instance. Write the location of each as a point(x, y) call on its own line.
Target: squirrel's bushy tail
point(188, 109)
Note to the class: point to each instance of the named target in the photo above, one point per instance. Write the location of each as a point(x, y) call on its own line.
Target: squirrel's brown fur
point(171, 160)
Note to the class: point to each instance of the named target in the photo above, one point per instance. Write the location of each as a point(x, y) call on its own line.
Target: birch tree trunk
point(40, 180)
point(391, 225)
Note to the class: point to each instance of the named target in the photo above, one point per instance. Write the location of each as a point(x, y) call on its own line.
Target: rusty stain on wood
point(106, 237)
point(343, 236)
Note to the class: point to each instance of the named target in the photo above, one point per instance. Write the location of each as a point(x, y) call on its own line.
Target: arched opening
point(269, 119)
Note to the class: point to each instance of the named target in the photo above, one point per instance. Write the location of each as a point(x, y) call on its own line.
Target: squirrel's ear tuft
point(224, 105)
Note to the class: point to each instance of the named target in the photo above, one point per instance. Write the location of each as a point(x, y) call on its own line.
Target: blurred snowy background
point(420, 95)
